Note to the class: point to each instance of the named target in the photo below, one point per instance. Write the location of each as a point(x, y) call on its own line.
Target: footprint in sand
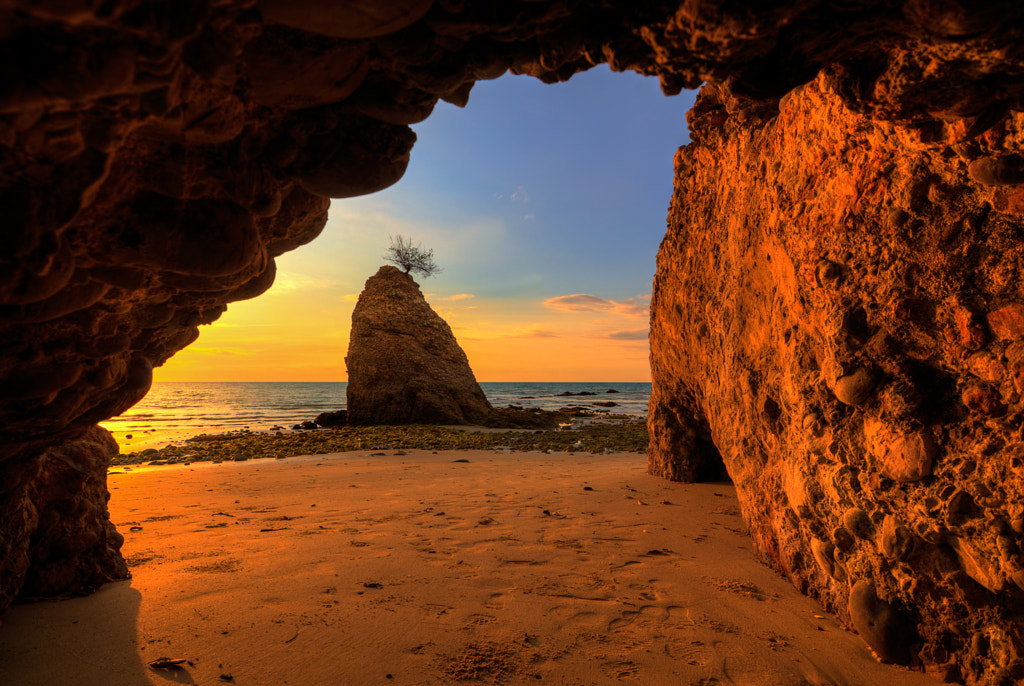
point(497, 601)
point(624, 565)
point(141, 558)
point(741, 588)
point(480, 620)
point(436, 610)
point(646, 617)
point(571, 617)
point(226, 565)
point(521, 563)
point(775, 641)
point(621, 669)
point(719, 627)
point(693, 652)
point(638, 628)
point(589, 590)
point(163, 518)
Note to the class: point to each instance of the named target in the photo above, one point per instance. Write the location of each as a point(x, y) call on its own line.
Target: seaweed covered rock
point(404, 364)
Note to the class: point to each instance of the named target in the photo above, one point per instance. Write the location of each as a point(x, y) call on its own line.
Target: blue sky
point(544, 204)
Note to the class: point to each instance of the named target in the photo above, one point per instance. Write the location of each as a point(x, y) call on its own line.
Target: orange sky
point(299, 330)
point(545, 205)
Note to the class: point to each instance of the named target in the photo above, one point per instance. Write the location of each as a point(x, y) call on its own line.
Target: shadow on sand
point(90, 641)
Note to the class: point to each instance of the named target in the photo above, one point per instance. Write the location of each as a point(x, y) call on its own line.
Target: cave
point(838, 316)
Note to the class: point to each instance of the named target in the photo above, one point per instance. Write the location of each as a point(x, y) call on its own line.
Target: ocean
point(174, 411)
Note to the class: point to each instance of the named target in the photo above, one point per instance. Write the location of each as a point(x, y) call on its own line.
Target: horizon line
point(602, 381)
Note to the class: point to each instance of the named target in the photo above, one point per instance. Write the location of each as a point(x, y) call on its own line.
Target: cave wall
point(58, 539)
point(837, 313)
point(838, 302)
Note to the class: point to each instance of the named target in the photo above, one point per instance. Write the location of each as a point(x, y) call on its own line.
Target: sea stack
point(404, 364)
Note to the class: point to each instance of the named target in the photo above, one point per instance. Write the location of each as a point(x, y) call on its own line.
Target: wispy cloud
point(634, 335)
point(584, 302)
point(535, 333)
point(520, 194)
point(458, 296)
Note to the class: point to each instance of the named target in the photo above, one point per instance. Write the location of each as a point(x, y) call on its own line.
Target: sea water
point(174, 411)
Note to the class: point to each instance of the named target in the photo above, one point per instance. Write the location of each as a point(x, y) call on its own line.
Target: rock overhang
point(158, 157)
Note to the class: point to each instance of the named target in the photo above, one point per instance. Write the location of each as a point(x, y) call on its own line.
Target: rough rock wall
point(57, 535)
point(156, 156)
point(839, 308)
point(404, 364)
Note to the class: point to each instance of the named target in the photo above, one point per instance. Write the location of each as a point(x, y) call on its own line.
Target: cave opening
point(545, 205)
point(156, 162)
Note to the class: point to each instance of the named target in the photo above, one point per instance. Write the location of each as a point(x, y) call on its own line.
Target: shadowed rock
point(58, 535)
point(330, 419)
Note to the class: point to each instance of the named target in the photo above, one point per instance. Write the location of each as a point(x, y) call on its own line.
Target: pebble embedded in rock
point(823, 552)
point(984, 400)
point(986, 366)
point(1007, 322)
point(895, 540)
point(827, 272)
point(858, 523)
point(878, 624)
point(1005, 170)
point(843, 539)
point(904, 457)
point(856, 387)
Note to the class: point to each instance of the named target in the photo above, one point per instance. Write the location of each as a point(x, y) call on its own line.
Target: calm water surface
point(173, 411)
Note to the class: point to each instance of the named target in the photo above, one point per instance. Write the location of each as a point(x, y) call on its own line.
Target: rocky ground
point(621, 435)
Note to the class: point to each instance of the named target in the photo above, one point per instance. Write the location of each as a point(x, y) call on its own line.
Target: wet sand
point(434, 568)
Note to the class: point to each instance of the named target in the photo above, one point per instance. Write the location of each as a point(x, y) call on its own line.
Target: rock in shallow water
point(329, 419)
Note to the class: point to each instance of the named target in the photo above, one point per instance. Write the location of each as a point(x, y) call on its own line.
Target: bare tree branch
point(411, 258)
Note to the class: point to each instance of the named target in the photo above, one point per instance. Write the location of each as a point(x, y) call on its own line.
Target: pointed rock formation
point(404, 364)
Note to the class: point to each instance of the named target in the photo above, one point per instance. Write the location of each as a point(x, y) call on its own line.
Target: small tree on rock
point(411, 258)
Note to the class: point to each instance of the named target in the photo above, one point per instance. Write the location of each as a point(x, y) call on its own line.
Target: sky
point(544, 205)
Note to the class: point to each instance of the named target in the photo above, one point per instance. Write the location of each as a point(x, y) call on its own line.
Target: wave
point(222, 406)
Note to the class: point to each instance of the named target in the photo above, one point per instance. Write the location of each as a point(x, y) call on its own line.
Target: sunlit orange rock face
point(837, 318)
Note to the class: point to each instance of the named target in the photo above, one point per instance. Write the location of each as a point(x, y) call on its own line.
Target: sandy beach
point(414, 567)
